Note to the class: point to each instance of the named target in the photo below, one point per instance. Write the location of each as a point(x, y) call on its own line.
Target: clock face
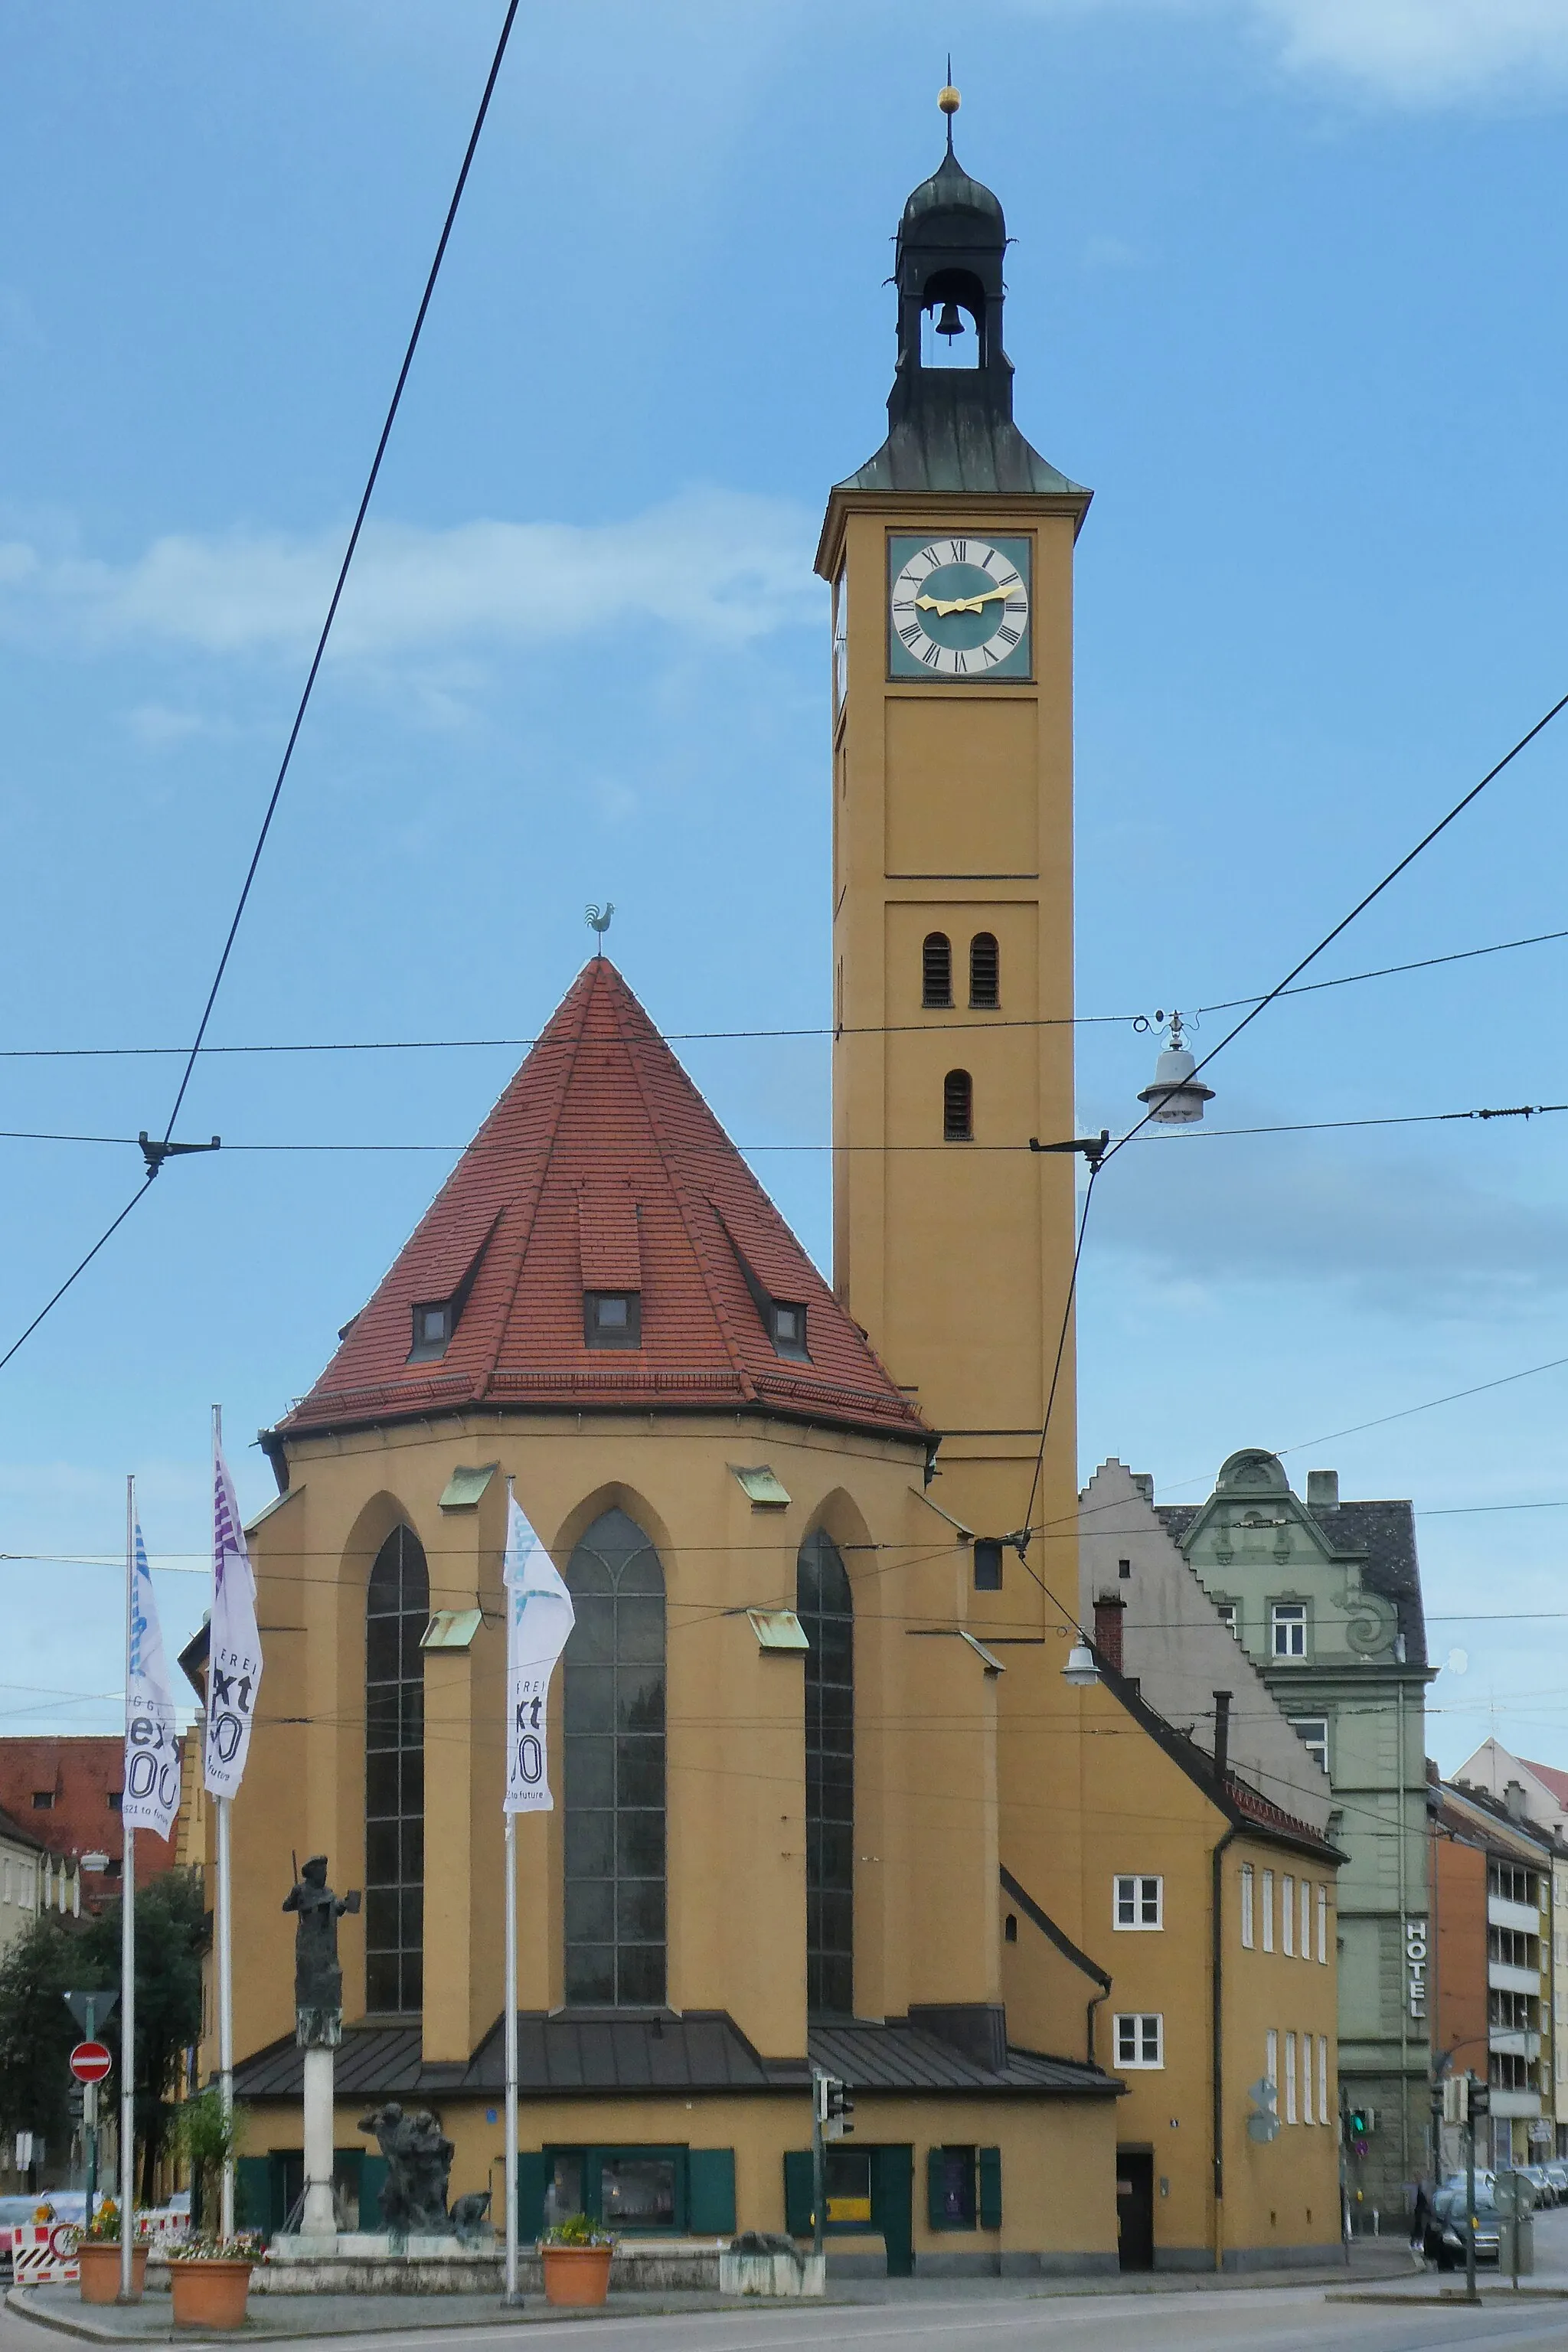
point(958, 608)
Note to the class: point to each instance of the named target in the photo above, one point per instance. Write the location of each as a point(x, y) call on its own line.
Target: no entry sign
point(90, 2061)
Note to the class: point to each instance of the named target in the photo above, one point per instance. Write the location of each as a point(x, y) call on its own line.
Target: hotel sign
point(1416, 1968)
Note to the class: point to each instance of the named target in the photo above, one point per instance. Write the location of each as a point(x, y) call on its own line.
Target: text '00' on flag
point(234, 1656)
point(539, 1622)
point(151, 1785)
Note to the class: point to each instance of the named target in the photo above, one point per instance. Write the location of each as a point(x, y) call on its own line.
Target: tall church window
point(826, 1610)
point(615, 1766)
point(936, 968)
point(985, 971)
point(396, 1612)
point(957, 1107)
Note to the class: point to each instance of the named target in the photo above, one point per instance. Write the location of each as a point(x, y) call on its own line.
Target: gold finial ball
point(949, 100)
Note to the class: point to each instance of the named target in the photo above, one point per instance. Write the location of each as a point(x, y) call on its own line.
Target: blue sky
point(1288, 290)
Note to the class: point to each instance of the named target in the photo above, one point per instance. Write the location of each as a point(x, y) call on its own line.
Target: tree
point(37, 2031)
point(172, 1934)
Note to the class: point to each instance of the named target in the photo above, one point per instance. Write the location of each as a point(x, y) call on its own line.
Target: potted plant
point(576, 2260)
point(210, 2279)
point(98, 2254)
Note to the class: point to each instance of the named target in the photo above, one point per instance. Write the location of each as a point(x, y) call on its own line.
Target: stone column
point(318, 2219)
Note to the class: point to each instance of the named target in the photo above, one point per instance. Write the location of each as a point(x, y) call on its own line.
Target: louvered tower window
point(826, 1608)
point(396, 1612)
point(984, 973)
point(615, 1769)
point(936, 968)
point(957, 1107)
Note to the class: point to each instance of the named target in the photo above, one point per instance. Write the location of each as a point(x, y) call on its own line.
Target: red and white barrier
point(43, 2254)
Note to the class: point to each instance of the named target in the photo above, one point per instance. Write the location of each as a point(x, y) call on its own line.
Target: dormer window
point(434, 1323)
point(612, 1318)
point(789, 1329)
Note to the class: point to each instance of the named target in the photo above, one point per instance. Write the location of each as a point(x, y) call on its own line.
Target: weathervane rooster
point(599, 921)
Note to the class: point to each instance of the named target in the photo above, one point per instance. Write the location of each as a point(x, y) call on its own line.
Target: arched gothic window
point(936, 968)
point(615, 1802)
point(396, 1612)
point(826, 1610)
point(957, 1107)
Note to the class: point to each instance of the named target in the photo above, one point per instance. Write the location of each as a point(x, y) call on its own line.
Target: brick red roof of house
point(1555, 1781)
point(80, 1775)
point(602, 1167)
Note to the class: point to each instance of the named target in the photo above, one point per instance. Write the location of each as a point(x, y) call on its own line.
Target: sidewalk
point(291, 2318)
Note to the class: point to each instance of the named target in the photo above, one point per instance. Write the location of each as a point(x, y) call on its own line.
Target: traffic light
point(1358, 2126)
point(77, 2102)
point(834, 2106)
point(1455, 2089)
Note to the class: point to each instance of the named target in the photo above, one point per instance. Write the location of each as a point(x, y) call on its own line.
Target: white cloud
point(157, 728)
point(716, 565)
point(1417, 52)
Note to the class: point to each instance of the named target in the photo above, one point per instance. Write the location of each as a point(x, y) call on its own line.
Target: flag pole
point(128, 1947)
point(510, 1999)
point(224, 1922)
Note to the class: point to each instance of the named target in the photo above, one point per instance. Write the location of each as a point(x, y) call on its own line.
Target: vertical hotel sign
point(1416, 1968)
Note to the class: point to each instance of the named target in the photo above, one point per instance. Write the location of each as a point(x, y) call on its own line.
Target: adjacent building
point(826, 1795)
point(1492, 1872)
point(1324, 1599)
point(66, 1791)
point(23, 1858)
point(1539, 1791)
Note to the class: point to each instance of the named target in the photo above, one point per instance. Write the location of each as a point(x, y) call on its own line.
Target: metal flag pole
point(224, 1922)
point(128, 1952)
point(510, 1999)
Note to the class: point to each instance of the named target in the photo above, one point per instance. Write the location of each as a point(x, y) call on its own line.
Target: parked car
point(1556, 2171)
point(1539, 2182)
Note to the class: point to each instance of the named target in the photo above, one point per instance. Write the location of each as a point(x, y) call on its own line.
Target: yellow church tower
point(949, 558)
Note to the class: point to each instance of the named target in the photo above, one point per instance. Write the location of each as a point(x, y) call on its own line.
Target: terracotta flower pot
point(210, 2294)
point(576, 2274)
point(99, 2261)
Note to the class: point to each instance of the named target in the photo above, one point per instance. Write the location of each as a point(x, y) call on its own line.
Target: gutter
point(1217, 1977)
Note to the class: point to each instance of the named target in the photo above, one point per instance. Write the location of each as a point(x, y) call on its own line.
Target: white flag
point(234, 1653)
point(152, 1797)
point(539, 1620)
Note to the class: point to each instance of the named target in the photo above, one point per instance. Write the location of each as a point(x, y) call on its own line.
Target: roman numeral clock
point(958, 607)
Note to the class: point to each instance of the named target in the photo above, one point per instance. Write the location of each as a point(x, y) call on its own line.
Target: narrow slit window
point(1246, 1923)
point(936, 969)
point(958, 1108)
point(1287, 1914)
point(984, 973)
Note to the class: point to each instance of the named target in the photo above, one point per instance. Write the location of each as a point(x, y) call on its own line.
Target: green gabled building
point(1325, 1599)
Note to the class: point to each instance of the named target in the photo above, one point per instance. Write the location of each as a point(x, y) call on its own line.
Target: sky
point(1287, 290)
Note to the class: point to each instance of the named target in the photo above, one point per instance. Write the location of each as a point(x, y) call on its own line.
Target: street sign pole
point(818, 2163)
point(128, 1955)
point(1470, 2293)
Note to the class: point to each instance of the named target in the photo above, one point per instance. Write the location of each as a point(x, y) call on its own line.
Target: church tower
point(950, 559)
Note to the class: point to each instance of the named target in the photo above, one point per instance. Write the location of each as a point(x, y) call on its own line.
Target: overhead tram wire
point(726, 1037)
point(1101, 1157)
point(154, 1163)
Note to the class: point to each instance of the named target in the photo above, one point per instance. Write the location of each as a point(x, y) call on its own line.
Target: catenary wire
point(720, 1037)
point(316, 658)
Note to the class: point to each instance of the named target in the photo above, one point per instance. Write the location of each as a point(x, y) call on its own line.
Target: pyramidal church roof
point(601, 1169)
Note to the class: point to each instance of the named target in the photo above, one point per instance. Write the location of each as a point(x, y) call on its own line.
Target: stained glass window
point(823, 1605)
point(397, 1609)
point(614, 1800)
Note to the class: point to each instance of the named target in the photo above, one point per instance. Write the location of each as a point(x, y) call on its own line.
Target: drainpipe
point(1217, 1975)
point(1093, 2005)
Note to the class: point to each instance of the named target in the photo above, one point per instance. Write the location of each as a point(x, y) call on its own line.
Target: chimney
point(1323, 1490)
point(1109, 1610)
point(1514, 1797)
point(1221, 1733)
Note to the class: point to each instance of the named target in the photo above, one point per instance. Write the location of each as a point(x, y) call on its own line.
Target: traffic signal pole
point(819, 2161)
point(1471, 2293)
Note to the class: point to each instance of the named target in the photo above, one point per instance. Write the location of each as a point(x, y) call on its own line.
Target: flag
point(151, 1787)
point(234, 1652)
point(539, 1620)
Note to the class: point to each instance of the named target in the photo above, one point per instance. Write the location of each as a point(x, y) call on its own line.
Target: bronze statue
point(318, 1977)
point(418, 2168)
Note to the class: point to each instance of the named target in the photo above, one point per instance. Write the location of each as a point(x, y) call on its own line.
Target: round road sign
point(90, 2061)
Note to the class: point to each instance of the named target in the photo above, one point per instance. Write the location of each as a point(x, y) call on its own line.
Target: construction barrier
point(43, 2254)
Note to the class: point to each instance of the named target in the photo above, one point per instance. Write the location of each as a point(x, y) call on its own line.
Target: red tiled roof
point(1553, 1779)
point(601, 1166)
point(79, 1774)
point(1269, 1815)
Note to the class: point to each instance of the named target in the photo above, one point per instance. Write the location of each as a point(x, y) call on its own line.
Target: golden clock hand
point(945, 604)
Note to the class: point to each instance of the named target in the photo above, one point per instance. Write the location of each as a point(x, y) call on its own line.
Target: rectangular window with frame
point(1322, 1923)
point(1306, 1919)
point(1306, 2078)
point(642, 2189)
point(1140, 2040)
point(612, 1318)
point(1269, 1910)
point(1288, 1622)
point(1271, 2060)
point(1322, 2078)
point(1287, 1914)
point(1225, 1610)
point(1313, 1731)
point(1138, 1902)
point(1246, 1926)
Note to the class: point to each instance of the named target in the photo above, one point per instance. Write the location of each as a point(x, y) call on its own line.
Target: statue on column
point(317, 1974)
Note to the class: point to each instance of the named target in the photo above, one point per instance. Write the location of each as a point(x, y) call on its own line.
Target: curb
point(20, 2300)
